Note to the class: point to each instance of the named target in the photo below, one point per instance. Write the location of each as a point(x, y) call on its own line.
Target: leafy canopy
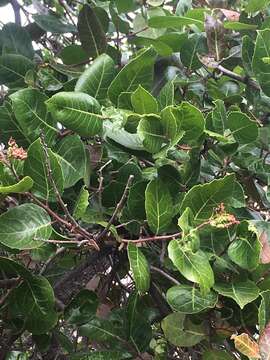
point(134, 180)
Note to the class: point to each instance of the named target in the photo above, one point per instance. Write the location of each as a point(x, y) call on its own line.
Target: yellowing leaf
point(246, 345)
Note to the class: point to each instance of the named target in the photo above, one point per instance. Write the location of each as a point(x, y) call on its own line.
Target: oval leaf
point(24, 227)
point(139, 267)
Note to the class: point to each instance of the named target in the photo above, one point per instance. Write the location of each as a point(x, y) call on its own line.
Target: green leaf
point(35, 167)
point(241, 292)
point(188, 300)
point(171, 121)
point(193, 266)
point(143, 102)
point(139, 267)
point(138, 325)
point(73, 54)
point(77, 111)
point(245, 249)
point(139, 71)
point(136, 200)
point(101, 355)
point(10, 128)
point(256, 5)
point(22, 186)
point(247, 53)
point(151, 133)
point(262, 70)
point(24, 227)
point(192, 122)
point(264, 310)
point(158, 206)
point(91, 32)
point(33, 300)
point(13, 67)
point(31, 113)
point(12, 268)
point(173, 22)
point(218, 118)
point(203, 199)
point(243, 129)
point(81, 203)
point(190, 49)
point(72, 158)
point(103, 330)
point(216, 355)
point(16, 40)
point(180, 332)
point(166, 95)
point(82, 308)
point(235, 25)
point(53, 24)
point(96, 79)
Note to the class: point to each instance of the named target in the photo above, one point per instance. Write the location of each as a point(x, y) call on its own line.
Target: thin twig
point(166, 275)
point(118, 208)
point(75, 224)
point(16, 9)
point(153, 238)
point(68, 11)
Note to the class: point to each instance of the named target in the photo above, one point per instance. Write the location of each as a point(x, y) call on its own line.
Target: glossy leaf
point(202, 199)
point(21, 186)
point(53, 24)
point(241, 292)
point(77, 111)
point(243, 129)
point(35, 167)
point(158, 206)
point(173, 22)
point(13, 67)
point(96, 79)
point(81, 203)
point(260, 68)
point(193, 266)
point(179, 333)
point(143, 102)
point(24, 227)
point(139, 267)
point(72, 159)
point(151, 133)
point(245, 249)
point(17, 40)
point(31, 113)
point(139, 71)
point(33, 300)
point(188, 300)
point(91, 32)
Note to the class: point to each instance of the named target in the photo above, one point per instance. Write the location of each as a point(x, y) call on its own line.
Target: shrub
point(134, 180)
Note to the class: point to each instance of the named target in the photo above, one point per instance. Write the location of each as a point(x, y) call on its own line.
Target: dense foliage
point(134, 180)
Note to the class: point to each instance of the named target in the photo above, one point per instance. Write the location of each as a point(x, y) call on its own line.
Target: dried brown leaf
point(246, 345)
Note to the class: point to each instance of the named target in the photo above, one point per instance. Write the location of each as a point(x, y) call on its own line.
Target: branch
point(16, 8)
point(153, 238)
point(118, 208)
point(166, 275)
point(7, 283)
point(244, 79)
point(74, 223)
